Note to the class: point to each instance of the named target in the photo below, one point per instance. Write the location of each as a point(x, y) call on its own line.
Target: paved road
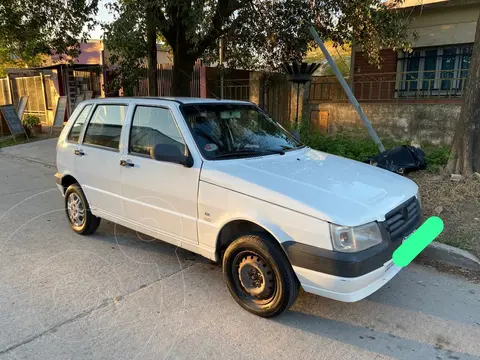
point(117, 295)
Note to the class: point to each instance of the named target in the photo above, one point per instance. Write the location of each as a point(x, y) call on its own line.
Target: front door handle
point(78, 152)
point(126, 163)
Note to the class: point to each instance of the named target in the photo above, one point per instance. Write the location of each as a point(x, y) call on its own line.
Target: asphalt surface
point(119, 295)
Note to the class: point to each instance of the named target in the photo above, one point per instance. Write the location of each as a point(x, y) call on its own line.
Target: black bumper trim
point(58, 178)
point(336, 263)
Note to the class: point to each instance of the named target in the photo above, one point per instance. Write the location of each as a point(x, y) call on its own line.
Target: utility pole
point(347, 89)
point(220, 60)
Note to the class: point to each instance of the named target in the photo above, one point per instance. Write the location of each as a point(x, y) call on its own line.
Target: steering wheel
point(208, 136)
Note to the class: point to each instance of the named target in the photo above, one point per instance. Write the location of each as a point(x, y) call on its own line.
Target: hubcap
point(75, 209)
point(256, 276)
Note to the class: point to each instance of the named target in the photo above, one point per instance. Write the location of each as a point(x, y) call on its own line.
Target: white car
point(224, 180)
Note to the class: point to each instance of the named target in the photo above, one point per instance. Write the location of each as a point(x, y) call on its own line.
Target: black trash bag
point(400, 159)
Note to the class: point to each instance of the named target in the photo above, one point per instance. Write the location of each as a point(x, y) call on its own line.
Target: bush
point(31, 120)
point(351, 145)
point(437, 157)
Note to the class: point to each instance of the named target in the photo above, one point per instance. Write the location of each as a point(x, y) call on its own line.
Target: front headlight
point(354, 239)
point(419, 199)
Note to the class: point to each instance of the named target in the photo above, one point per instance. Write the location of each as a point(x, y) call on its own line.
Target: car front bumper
point(346, 289)
point(351, 277)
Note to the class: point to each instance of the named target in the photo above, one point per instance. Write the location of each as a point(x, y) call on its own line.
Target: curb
point(450, 255)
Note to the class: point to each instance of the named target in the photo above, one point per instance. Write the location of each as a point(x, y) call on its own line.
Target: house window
point(438, 71)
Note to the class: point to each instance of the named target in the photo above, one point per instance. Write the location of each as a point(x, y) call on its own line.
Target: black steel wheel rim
point(254, 278)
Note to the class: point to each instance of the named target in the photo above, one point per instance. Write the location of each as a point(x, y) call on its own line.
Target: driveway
point(118, 295)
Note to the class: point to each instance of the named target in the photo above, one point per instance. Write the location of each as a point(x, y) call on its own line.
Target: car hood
point(315, 183)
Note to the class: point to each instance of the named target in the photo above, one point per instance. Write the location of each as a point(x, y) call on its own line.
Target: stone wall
point(427, 123)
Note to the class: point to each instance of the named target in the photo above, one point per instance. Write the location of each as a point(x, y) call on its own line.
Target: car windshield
point(225, 130)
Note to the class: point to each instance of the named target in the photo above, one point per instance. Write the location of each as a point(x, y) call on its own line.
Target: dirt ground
point(456, 203)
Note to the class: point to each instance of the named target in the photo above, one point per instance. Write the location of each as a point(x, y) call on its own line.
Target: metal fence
point(165, 80)
point(425, 85)
point(274, 95)
point(37, 88)
point(235, 89)
point(275, 100)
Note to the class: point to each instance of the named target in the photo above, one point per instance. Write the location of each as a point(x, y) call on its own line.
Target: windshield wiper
point(288, 148)
point(249, 153)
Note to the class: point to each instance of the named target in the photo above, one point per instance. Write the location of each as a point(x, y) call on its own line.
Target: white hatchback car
point(224, 180)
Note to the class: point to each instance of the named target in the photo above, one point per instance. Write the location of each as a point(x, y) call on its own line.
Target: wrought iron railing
point(165, 79)
point(412, 85)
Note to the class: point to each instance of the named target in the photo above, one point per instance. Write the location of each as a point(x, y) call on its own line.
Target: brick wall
point(372, 81)
point(388, 63)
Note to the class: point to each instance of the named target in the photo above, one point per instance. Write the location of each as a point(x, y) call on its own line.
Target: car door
point(160, 197)
point(67, 145)
point(98, 156)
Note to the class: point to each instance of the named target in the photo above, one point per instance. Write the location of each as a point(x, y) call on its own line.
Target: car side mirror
point(296, 135)
point(171, 153)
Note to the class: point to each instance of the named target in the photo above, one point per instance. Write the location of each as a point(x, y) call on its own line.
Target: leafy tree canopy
point(126, 46)
point(32, 27)
point(259, 34)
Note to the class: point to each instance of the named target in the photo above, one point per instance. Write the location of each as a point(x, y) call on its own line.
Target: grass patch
point(20, 139)
point(9, 141)
point(360, 148)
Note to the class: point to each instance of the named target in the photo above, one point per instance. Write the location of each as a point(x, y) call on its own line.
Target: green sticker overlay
point(418, 241)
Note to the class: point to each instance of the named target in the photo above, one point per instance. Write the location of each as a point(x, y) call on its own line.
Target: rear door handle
point(126, 163)
point(78, 152)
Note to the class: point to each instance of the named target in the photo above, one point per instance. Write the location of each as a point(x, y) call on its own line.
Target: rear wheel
point(81, 219)
point(259, 275)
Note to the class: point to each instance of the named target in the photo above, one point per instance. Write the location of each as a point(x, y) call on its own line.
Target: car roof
point(179, 100)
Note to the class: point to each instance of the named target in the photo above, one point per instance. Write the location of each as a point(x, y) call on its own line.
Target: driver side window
point(152, 126)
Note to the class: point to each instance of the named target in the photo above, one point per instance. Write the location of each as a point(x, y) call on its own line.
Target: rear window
point(105, 126)
point(78, 125)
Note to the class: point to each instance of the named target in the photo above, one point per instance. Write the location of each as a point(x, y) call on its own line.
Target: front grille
point(402, 220)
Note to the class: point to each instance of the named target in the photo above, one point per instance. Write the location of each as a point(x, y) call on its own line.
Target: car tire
point(259, 275)
point(81, 219)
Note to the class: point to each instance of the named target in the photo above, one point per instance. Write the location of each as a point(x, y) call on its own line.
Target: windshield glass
point(235, 130)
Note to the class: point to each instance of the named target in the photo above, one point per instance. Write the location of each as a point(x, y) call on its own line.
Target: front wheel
point(259, 275)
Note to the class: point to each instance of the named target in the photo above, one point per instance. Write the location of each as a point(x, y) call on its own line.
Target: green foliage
point(127, 49)
point(7, 61)
point(259, 34)
point(10, 141)
point(436, 156)
point(32, 27)
point(31, 120)
point(354, 146)
point(267, 33)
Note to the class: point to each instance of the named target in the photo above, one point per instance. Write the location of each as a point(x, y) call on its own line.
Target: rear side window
point(78, 124)
point(151, 126)
point(105, 126)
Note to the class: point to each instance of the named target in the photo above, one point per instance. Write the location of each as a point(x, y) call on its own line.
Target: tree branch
point(166, 29)
point(225, 8)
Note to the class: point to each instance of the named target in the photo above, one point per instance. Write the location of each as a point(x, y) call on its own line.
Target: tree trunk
point(152, 52)
point(182, 74)
point(465, 156)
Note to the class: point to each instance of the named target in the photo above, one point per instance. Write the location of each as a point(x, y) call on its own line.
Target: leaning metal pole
point(347, 89)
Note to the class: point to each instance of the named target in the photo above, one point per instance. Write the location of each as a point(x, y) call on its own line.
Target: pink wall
point(90, 53)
